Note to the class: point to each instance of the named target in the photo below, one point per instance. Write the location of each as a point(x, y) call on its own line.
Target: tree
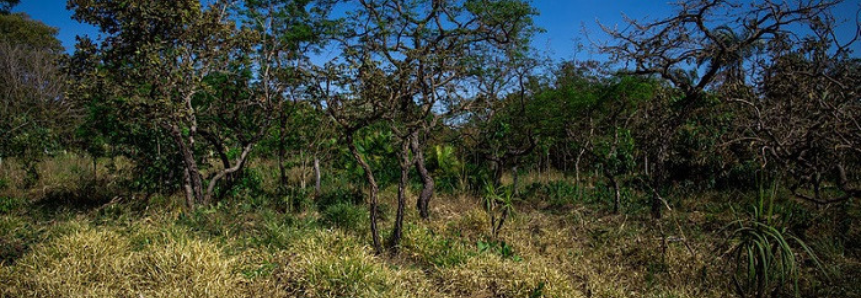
point(802, 117)
point(353, 95)
point(502, 119)
point(33, 107)
point(409, 57)
point(689, 51)
point(193, 74)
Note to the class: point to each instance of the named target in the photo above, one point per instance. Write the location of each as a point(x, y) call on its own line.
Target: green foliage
point(498, 247)
point(33, 109)
point(376, 145)
point(446, 168)
point(10, 204)
point(764, 260)
point(499, 204)
point(20, 29)
point(247, 183)
point(555, 193)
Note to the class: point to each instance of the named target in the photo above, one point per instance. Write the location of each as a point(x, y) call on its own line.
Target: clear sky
point(564, 21)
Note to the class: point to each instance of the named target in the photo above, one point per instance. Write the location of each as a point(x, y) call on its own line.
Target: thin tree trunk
point(423, 201)
point(577, 166)
point(658, 180)
point(617, 198)
point(397, 232)
point(316, 175)
point(194, 187)
point(497, 173)
point(189, 193)
point(282, 151)
point(303, 183)
point(646, 164)
point(514, 182)
point(372, 183)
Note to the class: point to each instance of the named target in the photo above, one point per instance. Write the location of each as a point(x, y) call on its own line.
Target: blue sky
point(564, 21)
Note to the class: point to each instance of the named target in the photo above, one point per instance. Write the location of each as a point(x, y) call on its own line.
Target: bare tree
point(802, 116)
point(689, 50)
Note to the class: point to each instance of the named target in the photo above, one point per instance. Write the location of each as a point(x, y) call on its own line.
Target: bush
point(248, 182)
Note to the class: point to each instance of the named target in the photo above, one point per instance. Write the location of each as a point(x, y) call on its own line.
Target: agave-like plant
point(764, 260)
point(498, 201)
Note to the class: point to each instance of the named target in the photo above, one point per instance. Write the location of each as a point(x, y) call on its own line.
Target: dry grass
point(236, 251)
point(93, 262)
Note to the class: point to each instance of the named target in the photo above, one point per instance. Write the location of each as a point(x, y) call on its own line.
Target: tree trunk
point(577, 166)
point(372, 183)
point(497, 173)
point(658, 181)
point(646, 164)
point(397, 232)
point(514, 182)
point(617, 198)
point(282, 151)
point(194, 183)
point(228, 172)
point(316, 175)
point(304, 158)
point(423, 201)
point(189, 193)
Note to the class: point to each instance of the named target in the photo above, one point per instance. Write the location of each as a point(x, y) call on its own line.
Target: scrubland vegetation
point(559, 242)
point(200, 149)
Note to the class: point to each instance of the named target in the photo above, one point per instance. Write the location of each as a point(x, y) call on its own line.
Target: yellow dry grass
point(94, 262)
point(580, 252)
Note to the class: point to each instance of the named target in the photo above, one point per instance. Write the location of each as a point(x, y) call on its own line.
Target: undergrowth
point(258, 246)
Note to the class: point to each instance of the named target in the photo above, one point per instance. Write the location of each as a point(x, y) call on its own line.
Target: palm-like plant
point(764, 260)
point(498, 201)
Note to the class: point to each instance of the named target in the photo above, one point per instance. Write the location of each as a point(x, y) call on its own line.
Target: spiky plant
point(498, 201)
point(764, 259)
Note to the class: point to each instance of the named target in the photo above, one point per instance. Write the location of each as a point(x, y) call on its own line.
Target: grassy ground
point(64, 238)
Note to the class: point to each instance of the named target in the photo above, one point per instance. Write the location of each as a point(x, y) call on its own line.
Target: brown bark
point(240, 163)
point(427, 181)
point(372, 183)
point(397, 232)
point(617, 198)
point(194, 183)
